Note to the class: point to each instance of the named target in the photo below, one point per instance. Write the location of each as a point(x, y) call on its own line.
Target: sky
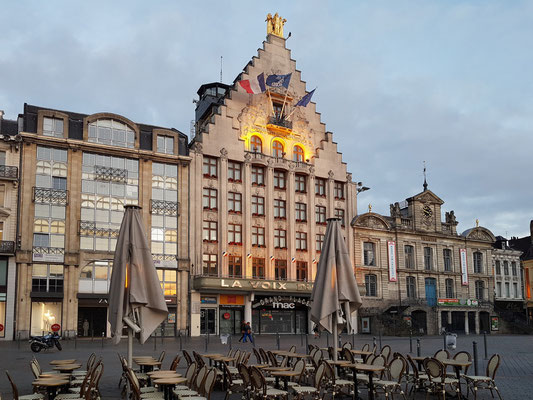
point(399, 83)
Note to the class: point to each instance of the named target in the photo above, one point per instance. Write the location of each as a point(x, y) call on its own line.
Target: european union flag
point(304, 101)
point(279, 80)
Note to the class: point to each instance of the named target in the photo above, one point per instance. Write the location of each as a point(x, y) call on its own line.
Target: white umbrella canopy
point(335, 293)
point(135, 295)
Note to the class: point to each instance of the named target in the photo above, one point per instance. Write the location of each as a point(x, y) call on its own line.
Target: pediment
point(479, 233)
point(427, 196)
point(371, 220)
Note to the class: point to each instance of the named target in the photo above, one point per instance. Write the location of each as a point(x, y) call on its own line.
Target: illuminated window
point(256, 145)
point(167, 279)
point(298, 153)
point(210, 265)
point(277, 149)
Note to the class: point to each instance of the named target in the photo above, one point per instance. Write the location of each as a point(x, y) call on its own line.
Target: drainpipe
point(17, 232)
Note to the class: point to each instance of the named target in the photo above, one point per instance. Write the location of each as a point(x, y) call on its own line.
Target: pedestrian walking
point(248, 333)
point(243, 330)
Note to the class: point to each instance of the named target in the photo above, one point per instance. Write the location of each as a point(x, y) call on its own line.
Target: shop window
point(320, 215)
point(371, 285)
point(277, 149)
point(165, 144)
point(53, 127)
point(258, 236)
point(258, 268)
point(235, 267)
point(410, 282)
point(409, 254)
point(279, 209)
point(47, 278)
point(301, 241)
point(210, 265)
point(428, 258)
point(298, 154)
point(319, 242)
point(300, 185)
point(209, 199)
point(258, 176)
point(111, 132)
point(280, 270)
point(447, 256)
point(478, 262)
point(168, 281)
point(234, 171)
point(369, 253)
point(301, 212)
point(43, 316)
point(279, 180)
point(320, 187)
point(449, 288)
point(280, 239)
point(258, 205)
point(256, 145)
point(301, 271)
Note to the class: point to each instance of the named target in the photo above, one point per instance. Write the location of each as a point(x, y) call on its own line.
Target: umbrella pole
point(335, 339)
point(130, 347)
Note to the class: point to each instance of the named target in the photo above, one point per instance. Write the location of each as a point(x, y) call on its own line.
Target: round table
point(168, 383)
point(59, 362)
point(285, 375)
point(51, 385)
point(457, 366)
point(148, 365)
point(66, 368)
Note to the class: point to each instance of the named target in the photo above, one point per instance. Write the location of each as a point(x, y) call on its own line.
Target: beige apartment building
point(78, 173)
point(9, 187)
point(265, 176)
point(417, 269)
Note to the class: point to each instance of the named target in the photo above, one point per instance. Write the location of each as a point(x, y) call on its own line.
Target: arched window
point(298, 153)
point(95, 277)
point(277, 149)
point(111, 132)
point(256, 145)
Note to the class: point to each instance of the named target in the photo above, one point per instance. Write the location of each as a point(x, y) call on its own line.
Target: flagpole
point(284, 100)
point(271, 104)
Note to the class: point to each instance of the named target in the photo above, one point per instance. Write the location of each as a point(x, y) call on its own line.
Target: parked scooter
point(37, 343)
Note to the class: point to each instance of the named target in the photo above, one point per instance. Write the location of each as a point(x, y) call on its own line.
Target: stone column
point(248, 308)
point(291, 226)
point(223, 210)
point(439, 321)
point(449, 317)
point(269, 231)
point(467, 330)
point(477, 322)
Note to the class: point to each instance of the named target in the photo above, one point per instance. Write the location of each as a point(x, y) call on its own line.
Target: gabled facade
point(263, 184)
point(525, 245)
point(418, 270)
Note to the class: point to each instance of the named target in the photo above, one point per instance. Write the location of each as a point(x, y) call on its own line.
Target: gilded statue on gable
point(275, 24)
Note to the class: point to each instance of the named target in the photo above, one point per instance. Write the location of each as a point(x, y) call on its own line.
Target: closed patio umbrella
point(335, 293)
point(135, 295)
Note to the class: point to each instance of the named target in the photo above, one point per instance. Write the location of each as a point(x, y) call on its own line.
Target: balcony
point(162, 207)
point(108, 174)
point(7, 247)
point(50, 196)
point(48, 254)
point(280, 122)
point(277, 160)
point(89, 228)
point(9, 173)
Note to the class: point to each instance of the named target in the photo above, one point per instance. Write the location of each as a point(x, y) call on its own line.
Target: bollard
point(206, 341)
point(277, 339)
point(444, 340)
point(374, 341)
point(306, 343)
point(301, 339)
point(410, 342)
point(353, 339)
point(230, 345)
point(103, 336)
point(181, 344)
point(474, 344)
point(485, 344)
point(418, 350)
point(380, 345)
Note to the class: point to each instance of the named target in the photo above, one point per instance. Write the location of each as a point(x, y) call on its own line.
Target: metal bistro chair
point(393, 385)
point(442, 354)
point(315, 390)
point(416, 378)
point(195, 385)
point(487, 382)
point(16, 396)
point(438, 379)
point(386, 352)
point(260, 388)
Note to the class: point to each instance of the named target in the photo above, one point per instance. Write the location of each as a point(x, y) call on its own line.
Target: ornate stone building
point(265, 177)
point(9, 186)
point(525, 245)
point(418, 268)
point(79, 171)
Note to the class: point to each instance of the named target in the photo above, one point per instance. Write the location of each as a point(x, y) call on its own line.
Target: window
point(279, 209)
point(410, 283)
point(480, 290)
point(498, 267)
point(59, 183)
point(277, 149)
point(478, 262)
point(2, 158)
point(371, 285)
point(301, 212)
point(258, 175)
point(278, 108)
point(280, 239)
point(319, 242)
point(258, 236)
point(256, 145)
point(369, 253)
point(507, 290)
point(409, 253)
point(516, 294)
point(235, 267)
point(428, 258)
point(209, 200)
point(95, 277)
point(165, 144)
point(320, 187)
point(279, 179)
point(234, 234)
point(280, 270)
point(258, 205)
point(210, 265)
point(258, 268)
point(299, 183)
point(210, 167)
point(339, 213)
point(506, 268)
point(447, 255)
point(338, 190)
point(209, 231)
point(53, 127)
point(301, 241)
point(234, 171)
point(47, 278)
point(301, 271)
point(111, 132)
point(513, 268)
point(498, 289)
point(235, 202)
point(298, 153)
point(320, 215)
point(448, 283)
point(168, 281)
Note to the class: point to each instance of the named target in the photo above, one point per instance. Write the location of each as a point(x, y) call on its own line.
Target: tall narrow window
point(506, 268)
point(234, 234)
point(320, 215)
point(409, 253)
point(319, 242)
point(301, 271)
point(210, 167)
point(447, 255)
point(209, 231)
point(209, 199)
point(235, 267)
point(53, 127)
point(516, 293)
point(369, 253)
point(258, 175)
point(478, 262)
point(338, 190)
point(165, 144)
point(279, 209)
point(256, 145)
point(320, 187)
point(410, 283)
point(498, 268)
point(301, 212)
point(210, 265)
point(297, 154)
point(234, 171)
point(339, 213)
point(258, 268)
point(371, 284)
point(258, 236)
point(258, 205)
point(480, 290)
point(234, 202)
point(449, 288)
point(301, 241)
point(428, 258)
point(280, 239)
point(277, 149)
point(299, 183)
point(279, 179)
point(498, 289)
point(280, 270)
point(513, 268)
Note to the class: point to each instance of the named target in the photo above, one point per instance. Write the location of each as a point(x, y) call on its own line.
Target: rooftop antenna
point(425, 182)
point(220, 69)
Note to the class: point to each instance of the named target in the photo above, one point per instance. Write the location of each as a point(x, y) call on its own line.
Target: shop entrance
point(458, 321)
point(92, 321)
point(419, 321)
point(230, 320)
point(208, 321)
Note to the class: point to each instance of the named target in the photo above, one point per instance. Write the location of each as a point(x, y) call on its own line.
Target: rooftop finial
point(477, 223)
point(275, 25)
point(425, 182)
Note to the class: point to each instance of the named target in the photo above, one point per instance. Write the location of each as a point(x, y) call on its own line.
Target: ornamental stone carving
point(348, 177)
point(247, 157)
point(331, 174)
point(223, 153)
point(197, 147)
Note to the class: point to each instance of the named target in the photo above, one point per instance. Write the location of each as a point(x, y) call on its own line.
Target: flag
point(271, 258)
point(304, 101)
point(279, 80)
point(293, 260)
point(254, 86)
point(249, 255)
point(314, 260)
point(224, 254)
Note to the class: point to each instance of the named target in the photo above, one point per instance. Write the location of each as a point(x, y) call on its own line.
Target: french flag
point(254, 86)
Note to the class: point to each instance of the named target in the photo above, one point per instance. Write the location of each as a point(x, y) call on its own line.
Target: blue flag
point(279, 80)
point(304, 101)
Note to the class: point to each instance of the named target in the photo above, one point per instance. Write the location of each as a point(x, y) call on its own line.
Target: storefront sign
point(55, 327)
point(458, 302)
point(249, 285)
point(494, 323)
point(226, 315)
point(407, 320)
point(231, 299)
point(208, 300)
point(53, 258)
point(166, 263)
point(392, 261)
point(464, 267)
point(280, 302)
point(171, 318)
point(365, 324)
point(1, 328)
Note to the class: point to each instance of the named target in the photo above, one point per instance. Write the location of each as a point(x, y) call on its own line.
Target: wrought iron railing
point(9, 172)
point(7, 247)
point(89, 228)
point(280, 160)
point(280, 122)
point(164, 257)
point(162, 207)
point(48, 250)
point(50, 196)
point(109, 174)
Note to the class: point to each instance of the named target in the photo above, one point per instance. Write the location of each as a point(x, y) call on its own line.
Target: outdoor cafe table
point(51, 385)
point(220, 360)
point(66, 368)
point(367, 369)
point(285, 375)
point(362, 353)
point(147, 365)
point(59, 362)
point(457, 366)
point(212, 356)
point(162, 374)
point(168, 383)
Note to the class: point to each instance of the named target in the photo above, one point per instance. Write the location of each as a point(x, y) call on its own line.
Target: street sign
point(55, 327)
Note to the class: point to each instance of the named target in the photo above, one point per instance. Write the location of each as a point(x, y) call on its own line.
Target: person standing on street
point(243, 330)
point(248, 333)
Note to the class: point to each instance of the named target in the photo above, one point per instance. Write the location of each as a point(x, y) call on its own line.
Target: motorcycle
point(37, 343)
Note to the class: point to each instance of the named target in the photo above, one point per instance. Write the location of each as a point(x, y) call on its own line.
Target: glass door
point(208, 321)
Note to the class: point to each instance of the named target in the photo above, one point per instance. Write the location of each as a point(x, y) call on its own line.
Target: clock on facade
point(427, 211)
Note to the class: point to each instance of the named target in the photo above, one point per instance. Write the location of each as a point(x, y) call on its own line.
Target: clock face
point(427, 211)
